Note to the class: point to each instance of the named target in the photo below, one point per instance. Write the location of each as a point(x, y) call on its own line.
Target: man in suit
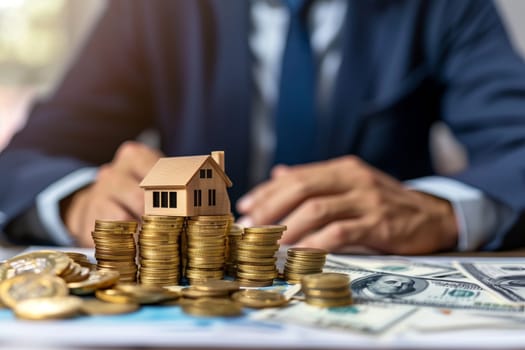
point(343, 161)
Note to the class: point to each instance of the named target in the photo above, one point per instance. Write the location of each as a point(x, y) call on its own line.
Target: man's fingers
point(120, 187)
point(317, 212)
point(290, 186)
point(337, 235)
point(135, 158)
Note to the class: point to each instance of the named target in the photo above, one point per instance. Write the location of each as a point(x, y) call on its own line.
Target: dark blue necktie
point(295, 117)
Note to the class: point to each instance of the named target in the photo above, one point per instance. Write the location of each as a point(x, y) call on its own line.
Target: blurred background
point(38, 39)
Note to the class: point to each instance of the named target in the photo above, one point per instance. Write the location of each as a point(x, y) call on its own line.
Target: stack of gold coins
point(115, 247)
point(303, 261)
point(205, 247)
point(233, 238)
point(159, 253)
point(256, 255)
point(327, 289)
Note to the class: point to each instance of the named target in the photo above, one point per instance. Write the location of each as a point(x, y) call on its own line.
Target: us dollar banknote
point(396, 265)
point(372, 319)
point(506, 280)
point(372, 286)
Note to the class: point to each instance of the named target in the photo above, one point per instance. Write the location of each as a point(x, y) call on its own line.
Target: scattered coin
point(46, 308)
point(98, 279)
point(99, 307)
point(212, 307)
point(31, 286)
point(259, 299)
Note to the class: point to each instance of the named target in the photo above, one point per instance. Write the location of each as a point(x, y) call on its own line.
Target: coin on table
point(147, 294)
point(259, 299)
point(218, 286)
point(114, 296)
point(48, 308)
point(43, 261)
point(329, 302)
point(212, 307)
point(98, 307)
point(98, 279)
point(30, 286)
point(327, 280)
point(192, 292)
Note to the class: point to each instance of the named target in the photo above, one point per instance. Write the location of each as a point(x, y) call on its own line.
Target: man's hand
point(344, 202)
point(115, 195)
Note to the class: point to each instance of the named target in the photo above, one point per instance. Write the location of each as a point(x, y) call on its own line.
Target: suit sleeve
point(484, 97)
point(102, 101)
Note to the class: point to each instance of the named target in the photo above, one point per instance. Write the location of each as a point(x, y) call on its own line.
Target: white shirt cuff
point(478, 216)
point(48, 203)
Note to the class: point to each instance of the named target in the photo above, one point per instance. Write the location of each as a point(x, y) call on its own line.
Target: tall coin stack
point(232, 246)
point(205, 247)
point(256, 255)
point(327, 289)
point(115, 247)
point(303, 261)
point(159, 256)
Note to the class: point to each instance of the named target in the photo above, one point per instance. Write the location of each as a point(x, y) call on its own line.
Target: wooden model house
point(187, 186)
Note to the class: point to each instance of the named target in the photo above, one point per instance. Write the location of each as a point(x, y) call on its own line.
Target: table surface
point(170, 328)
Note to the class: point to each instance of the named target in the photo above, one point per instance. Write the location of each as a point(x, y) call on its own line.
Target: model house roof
point(178, 171)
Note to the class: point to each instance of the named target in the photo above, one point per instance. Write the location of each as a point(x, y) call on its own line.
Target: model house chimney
point(218, 157)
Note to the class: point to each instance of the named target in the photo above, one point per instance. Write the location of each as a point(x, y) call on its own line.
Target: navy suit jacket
point(183, 67)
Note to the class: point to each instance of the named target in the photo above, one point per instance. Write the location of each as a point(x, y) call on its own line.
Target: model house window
point(202, 173)
point(211, 198)
point(208, 173)
point(173, 199)
point(156, 199)
point(197, 198)
point(164, 199)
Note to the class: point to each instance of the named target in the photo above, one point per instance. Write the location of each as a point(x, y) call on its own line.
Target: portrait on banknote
point(381, 286)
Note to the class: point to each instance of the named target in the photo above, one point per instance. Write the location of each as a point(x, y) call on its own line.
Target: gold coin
point(45, 308)
point(304, 270)
point(329, 302)
point(250, 283)
point(98, 279)
point(265, 229)
point(328, 293)
point(196, 273)
point(325, 280)
point(259, 299)
point(124, 224)
point(306, 251)
point(212, 307)
point(254, 260)
point(247, 267)
point(218, 218)
point(43, 261)
point(81, 274)
point(147, 294)
point(30, 286)
point(98, 307)
point(270, 249)
point(114, 296)
point(219, 285)
point(257, 276)
point(194, 293)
